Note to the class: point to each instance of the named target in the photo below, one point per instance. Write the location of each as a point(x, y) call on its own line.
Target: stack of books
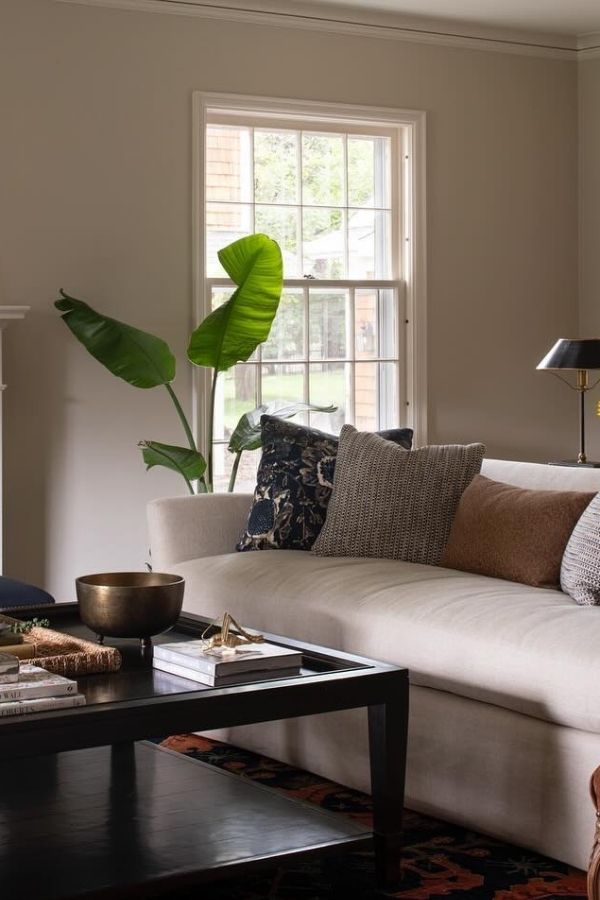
point(218, 668)
point(29, 689)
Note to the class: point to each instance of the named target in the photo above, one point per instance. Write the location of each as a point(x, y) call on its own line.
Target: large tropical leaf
point(232, 332)
point(188, 463)
point(139, 358)
point(246, 435)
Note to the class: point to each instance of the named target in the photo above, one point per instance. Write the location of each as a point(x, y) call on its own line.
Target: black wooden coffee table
point(90, 808)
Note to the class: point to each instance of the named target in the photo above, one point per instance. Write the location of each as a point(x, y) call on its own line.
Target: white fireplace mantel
point(7, 314)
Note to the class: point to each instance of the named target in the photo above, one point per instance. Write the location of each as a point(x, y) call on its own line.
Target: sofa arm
point(183, 528)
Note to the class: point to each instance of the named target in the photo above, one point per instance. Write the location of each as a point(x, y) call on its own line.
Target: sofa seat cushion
point(531, 650)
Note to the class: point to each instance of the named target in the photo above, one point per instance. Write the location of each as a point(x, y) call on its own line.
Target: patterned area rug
point(440, 860)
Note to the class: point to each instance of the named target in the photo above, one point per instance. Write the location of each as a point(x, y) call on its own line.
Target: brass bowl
point(130, 604)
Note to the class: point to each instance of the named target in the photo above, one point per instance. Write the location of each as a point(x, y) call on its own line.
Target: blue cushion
point(15, 593)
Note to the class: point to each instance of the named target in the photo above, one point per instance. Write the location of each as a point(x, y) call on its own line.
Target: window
point(333, 192)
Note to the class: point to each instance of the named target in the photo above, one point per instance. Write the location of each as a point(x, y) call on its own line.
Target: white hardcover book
point(247, 658)
point(223, 680)
point(40, 704)
point(34, 683)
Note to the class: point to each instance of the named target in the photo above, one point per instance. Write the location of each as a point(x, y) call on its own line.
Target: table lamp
point(579, 357)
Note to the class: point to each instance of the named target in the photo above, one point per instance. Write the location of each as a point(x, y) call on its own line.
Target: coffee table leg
point(122, 756)
point(388, 725)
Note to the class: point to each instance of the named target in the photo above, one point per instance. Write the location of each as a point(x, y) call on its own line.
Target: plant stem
point(181, 414)
point(188, 434)
point(234, 470)
point(211, 425)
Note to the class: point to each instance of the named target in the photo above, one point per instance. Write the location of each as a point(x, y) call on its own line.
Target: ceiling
point(564, 17)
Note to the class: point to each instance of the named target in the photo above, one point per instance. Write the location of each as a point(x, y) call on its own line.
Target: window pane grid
point(259, 397)
point(300, 225)
point(378, 334)
point(327, 197)
point(351, 342)
point(301, 361)
point(346, 195)
point(372, 284)
point(331, 212)
point(253, 171)
point(306, 332)
point(285, 205)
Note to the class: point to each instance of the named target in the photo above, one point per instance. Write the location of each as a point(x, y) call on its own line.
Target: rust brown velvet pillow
point(513, 533)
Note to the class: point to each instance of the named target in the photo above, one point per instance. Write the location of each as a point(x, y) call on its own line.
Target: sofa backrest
point(185, 528)
point(540, 476)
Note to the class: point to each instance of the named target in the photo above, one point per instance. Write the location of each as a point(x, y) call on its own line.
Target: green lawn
point(325, 388)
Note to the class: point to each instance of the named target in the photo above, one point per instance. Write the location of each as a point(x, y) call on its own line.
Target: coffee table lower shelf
point(136, 820)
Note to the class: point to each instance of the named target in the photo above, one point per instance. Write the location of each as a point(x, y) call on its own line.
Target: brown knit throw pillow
point(393, 503)
point(513, 533)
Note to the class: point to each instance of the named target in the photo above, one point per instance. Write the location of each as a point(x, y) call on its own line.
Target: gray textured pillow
point(580, 569)
point(393, 503)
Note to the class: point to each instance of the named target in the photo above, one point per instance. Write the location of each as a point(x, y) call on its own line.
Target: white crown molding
point(588, 41)
point(588, 45)
point(366, 23)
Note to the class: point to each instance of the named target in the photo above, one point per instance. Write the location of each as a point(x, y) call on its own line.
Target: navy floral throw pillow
point(294, 484)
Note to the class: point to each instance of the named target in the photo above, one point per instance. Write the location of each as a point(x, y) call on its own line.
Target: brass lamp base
point(575, 464)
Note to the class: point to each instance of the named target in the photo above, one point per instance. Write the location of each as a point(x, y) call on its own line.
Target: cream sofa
point(505, 708)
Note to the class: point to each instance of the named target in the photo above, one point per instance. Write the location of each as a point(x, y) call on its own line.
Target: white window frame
point(410, 233)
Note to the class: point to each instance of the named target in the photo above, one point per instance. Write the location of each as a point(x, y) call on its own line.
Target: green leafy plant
point(233, 331)
point(228, 335)
point(26, 626)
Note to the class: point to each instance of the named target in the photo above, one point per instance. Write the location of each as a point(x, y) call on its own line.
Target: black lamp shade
point(573, 355)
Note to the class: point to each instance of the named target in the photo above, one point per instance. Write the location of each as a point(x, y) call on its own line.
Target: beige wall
point(95, 175)
point(589, 235)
